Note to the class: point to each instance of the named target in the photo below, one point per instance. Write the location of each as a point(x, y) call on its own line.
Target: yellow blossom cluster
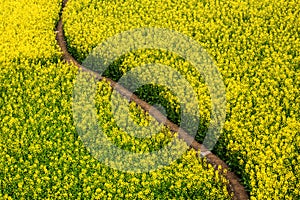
point(27, 30)
point(255, 45)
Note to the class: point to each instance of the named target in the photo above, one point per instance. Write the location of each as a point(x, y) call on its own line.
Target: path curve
point(235, 186)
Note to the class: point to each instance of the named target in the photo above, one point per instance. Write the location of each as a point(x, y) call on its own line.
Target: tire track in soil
point(234, 186)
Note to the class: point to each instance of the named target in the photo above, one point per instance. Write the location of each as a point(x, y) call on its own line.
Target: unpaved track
point(234, 186)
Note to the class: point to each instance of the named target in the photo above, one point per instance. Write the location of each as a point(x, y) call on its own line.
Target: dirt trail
point(234, 186)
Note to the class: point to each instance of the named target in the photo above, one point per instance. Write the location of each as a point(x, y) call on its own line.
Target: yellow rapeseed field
point(41, 154)
point(255, 45)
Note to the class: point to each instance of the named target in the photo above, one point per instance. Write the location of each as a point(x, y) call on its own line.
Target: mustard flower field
point(255, 46)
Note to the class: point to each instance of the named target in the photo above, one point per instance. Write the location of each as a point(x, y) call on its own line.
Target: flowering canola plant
point(43, 157)
point(27, 30)
point(255, 45)
point(41, 154)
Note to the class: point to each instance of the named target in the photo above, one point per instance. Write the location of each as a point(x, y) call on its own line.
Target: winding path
point(235, 186)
